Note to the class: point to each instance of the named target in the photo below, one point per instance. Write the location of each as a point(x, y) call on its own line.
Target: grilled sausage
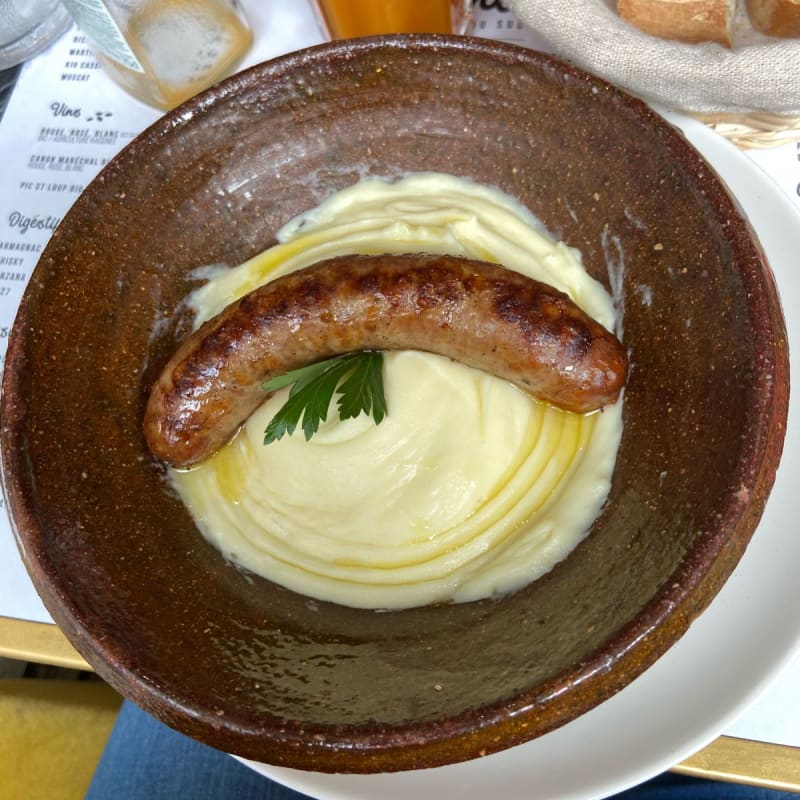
point(480, 314)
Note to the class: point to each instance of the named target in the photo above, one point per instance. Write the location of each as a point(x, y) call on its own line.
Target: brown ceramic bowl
point(257, 670)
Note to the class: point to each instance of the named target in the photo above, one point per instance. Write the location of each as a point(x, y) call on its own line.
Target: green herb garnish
point(358, 377)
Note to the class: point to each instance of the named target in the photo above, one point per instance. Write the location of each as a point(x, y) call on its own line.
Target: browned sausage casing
point(480, 314)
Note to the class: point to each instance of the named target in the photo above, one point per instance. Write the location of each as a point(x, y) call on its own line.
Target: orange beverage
point(345, 19)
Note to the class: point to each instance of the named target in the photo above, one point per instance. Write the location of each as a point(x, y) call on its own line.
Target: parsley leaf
point(358, 378)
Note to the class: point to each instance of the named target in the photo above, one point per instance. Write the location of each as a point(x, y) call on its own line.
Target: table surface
point(727, 758)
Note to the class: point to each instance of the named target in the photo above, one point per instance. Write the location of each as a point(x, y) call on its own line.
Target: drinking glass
point(164, 51)
point(27, 27)
point(345, 19)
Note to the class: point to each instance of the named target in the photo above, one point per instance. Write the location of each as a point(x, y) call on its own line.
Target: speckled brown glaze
point(254, 669)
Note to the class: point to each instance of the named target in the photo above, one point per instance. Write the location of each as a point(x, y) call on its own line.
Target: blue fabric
point(146, 760)
point(679, 787)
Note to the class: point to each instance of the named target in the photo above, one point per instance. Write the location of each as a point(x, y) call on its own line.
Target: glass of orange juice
point(346, 19)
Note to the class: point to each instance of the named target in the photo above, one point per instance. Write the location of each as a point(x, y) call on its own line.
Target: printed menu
point(64, 121)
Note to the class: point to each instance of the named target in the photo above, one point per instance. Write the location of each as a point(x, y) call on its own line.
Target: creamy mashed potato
point(469, 488)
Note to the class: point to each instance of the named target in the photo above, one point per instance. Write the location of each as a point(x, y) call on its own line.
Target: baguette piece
point(775, 17)
point(684, 20)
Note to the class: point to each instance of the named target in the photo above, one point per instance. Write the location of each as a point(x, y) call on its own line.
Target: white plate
point(719, 667)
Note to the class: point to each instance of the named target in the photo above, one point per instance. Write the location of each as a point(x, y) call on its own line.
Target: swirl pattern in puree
point(469, 488)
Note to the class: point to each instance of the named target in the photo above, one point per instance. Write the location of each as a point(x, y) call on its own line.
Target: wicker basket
point(750, 131)
point(749, 93)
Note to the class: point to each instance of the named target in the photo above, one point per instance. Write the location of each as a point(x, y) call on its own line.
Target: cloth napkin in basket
point(758, 74)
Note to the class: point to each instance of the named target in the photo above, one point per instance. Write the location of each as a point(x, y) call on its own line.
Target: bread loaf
point(775, 17)
point(684, 20)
